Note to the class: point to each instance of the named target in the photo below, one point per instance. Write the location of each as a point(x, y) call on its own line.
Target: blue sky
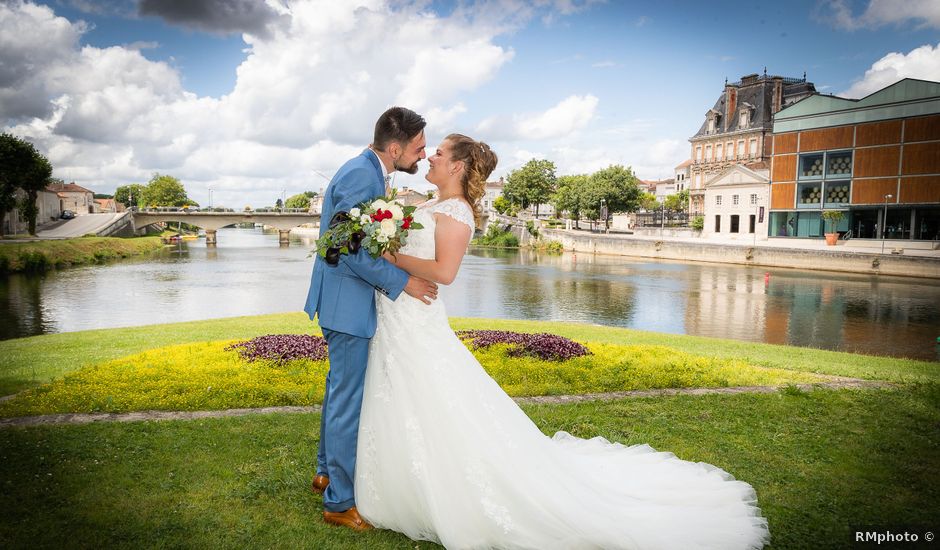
point(254, 99)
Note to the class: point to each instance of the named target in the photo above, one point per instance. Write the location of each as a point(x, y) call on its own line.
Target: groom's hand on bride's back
point(421, 289)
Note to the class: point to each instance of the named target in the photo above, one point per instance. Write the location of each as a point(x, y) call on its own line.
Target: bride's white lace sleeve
point(457, 209)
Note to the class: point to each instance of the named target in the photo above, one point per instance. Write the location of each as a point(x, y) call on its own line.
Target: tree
point(678, 202)
point(278, 204)
point(534, 183)
point(129, 195)
point(615, 186)
point(648, 202)
point(300, 200)
point(21, 165)
point(568, 195)
point(163, 190)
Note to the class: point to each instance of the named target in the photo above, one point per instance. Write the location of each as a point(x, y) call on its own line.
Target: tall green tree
point(568, 195)
point(678, 202)
point(129, 195)
point(648, 201)
point(22, 166)
point(164, 190)
point(300, 200)
point(533, 183)
point(615, 187)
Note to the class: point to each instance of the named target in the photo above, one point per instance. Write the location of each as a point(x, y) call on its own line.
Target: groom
point(343, 297)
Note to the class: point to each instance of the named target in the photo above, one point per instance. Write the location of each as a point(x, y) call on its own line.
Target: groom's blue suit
point(343, 296)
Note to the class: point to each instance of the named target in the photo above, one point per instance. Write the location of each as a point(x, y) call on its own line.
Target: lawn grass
point(54, 254)
point(28, 362)
point(820, 461)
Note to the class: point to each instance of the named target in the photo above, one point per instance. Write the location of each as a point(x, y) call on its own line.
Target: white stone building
point(736, 205)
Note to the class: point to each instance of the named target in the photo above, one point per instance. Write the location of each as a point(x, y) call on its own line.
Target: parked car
point(67, 215)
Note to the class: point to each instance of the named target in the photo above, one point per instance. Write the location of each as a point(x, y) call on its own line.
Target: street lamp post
point(210, 198)
point(884, 223)
point(756, 218)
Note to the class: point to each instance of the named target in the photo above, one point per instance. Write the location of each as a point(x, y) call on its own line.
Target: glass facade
point(904, 223)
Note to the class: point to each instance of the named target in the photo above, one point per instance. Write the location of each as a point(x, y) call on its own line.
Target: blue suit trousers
point(339, 419)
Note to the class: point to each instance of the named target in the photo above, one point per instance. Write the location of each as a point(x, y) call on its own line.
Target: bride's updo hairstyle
point(479, 162)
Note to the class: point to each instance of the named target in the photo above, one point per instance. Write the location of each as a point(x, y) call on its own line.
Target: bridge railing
point(190, 210)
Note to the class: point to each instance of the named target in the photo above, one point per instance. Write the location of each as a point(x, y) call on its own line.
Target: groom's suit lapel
point(379, 181)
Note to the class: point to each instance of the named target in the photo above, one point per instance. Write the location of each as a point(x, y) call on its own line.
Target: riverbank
point(43, 255)
point(923, 262)
point(814, 457)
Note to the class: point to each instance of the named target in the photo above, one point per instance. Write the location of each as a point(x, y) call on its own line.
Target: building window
point(754, 147)
point(708, 153)
point(698, 152)
point(753, 224)
point(729, 150)
point(735, 221)
point(745, 118)
point(734, 199)
point(711, 125)
point(718, 200)
point(836, 193)
point(717, 224)
point(824, 165)
point(753, 198)
point(741, 149)
point(809, 195)
point(718, 152)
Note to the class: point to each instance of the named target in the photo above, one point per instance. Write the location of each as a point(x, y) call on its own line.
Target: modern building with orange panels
point(876, 159)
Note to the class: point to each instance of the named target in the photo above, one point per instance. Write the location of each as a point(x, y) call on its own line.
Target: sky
point(258, 99)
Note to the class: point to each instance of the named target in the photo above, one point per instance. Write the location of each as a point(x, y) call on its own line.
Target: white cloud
point(305, 99)
point(568, 116)
point(878, 13)
point(922, 63)
point(642, 20)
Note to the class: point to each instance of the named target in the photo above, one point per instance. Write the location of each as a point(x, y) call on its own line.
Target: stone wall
point(836, 260)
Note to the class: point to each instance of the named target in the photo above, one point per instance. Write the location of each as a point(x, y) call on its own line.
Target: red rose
point(378, 216)
point(406, 223)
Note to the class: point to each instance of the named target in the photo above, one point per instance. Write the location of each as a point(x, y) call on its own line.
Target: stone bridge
point(283, 221)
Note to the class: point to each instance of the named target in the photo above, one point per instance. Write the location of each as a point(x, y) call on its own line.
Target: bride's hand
point(388, 256)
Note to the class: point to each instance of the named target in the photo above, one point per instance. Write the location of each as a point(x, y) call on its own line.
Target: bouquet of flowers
point(378, 226)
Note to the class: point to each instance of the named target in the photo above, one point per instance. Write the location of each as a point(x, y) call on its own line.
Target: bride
point(446, 456)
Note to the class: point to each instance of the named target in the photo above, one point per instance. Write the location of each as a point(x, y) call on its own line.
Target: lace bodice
point(421, 242)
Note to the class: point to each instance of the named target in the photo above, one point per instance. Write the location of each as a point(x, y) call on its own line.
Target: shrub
point(545, 346)
point(530, 227)
point(281, 348)
point(698, 223)
point(497, 237)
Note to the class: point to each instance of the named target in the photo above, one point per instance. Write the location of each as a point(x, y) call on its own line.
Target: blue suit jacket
point(344, 295)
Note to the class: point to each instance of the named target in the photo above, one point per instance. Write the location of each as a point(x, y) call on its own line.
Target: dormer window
point(712, 118)
point(744, 115)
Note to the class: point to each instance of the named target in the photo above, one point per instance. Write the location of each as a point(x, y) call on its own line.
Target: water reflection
point(248, 273)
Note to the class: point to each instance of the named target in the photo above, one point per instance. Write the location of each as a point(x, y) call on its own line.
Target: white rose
point(388, 228)
point(382, 238)
point(397, 212)
point(379, 204)
point(365, 220)
point(354, 212)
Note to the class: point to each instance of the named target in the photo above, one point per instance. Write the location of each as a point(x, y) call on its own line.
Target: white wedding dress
point(445, 455)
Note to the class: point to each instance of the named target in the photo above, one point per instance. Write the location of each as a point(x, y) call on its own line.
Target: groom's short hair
point(397, 124)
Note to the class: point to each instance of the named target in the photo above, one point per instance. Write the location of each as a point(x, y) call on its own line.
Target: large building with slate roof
point(736, 130)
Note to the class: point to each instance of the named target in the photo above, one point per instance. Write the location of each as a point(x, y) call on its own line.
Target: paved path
point(78, 226)
point(90, 418)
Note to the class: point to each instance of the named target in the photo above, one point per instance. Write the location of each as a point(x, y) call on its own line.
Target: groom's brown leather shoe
point(319, 485)
point(350, 518)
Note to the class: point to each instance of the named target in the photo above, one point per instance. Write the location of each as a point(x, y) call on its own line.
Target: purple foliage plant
point(548, 347)
point(281, 348)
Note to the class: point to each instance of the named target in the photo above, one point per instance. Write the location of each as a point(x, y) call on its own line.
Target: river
point(249, 274)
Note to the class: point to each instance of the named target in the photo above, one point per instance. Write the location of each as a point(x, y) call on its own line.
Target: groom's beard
point(413, 169)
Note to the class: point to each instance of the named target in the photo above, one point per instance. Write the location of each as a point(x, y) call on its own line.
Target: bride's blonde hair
point(479, 162)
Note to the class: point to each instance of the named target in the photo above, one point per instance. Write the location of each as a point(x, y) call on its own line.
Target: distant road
point(78, 226)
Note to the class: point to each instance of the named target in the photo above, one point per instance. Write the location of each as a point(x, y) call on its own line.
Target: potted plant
point(832, 217)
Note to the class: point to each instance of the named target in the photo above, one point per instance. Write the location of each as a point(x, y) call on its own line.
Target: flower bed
point(279, 370)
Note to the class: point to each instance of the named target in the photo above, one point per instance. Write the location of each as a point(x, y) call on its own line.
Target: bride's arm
point(451, 238)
